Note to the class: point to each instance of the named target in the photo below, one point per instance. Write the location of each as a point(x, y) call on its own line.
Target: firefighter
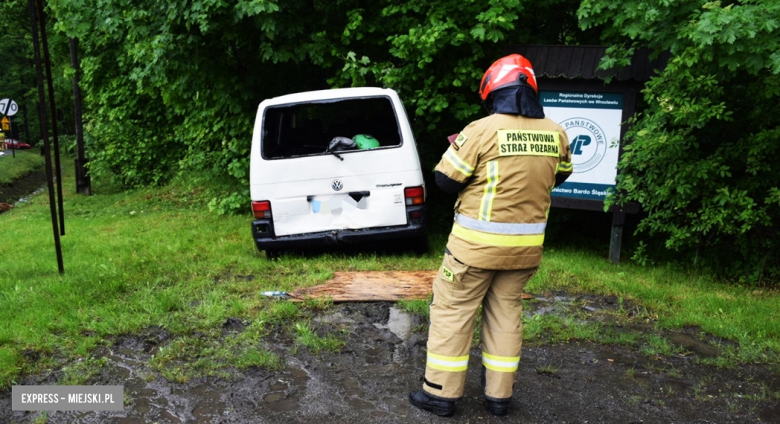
point(503, 168)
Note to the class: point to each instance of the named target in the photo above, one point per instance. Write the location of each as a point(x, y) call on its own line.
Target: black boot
point(495, 407)
point(498, 407)
point(442, 408)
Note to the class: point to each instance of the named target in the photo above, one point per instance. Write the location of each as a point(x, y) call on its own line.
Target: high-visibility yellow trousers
point(458, 291)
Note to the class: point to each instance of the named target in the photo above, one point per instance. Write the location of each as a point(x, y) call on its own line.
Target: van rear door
point(364, 200)
point(312, 189)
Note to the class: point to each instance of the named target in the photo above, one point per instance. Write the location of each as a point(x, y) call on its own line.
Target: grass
point(631, 372)
point(158, 258)
point(210, 355)
point(677, 299)
point(306, 336)
point(655, 345)
point(673, 372)
point(419, 307)
point(42, 418)
point(550, 370)
point(13, 168)
point(78, 372)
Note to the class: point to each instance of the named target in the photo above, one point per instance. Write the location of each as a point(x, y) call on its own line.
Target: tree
point(17, 80)
point(174, 86)
point(704, 157)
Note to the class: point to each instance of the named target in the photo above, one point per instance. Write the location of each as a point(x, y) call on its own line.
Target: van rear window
point(317, 128)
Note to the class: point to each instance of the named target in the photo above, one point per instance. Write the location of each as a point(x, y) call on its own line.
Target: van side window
point(305, 129)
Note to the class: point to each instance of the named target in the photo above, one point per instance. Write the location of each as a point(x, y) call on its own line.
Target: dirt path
point(369, 380)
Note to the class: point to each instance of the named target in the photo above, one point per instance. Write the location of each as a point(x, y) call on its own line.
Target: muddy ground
point(369, 379)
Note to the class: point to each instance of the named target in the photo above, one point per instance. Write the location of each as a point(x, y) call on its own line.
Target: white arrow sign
point(8, 107)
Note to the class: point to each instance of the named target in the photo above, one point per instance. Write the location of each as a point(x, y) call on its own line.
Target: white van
point(335, 167)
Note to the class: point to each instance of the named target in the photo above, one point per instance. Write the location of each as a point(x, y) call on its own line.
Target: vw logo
point(336, 185)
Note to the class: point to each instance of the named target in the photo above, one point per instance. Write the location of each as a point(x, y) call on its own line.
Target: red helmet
point(507, 72)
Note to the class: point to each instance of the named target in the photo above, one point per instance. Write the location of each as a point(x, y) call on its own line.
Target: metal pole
point(27, 127)
point(45, 135)
point(50, 84)
point(83, 183)
point(41, 119)
point(11, 131)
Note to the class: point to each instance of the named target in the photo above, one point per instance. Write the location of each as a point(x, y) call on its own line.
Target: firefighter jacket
point(507, 166)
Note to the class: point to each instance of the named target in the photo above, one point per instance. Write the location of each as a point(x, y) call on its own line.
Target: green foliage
point(419, 307)
point(189, 357)
point(703, 157)
point(174, 86)
point(307, 336)
point(438, 51)
point(81, 370)
point(18, 75)
point(230, 202)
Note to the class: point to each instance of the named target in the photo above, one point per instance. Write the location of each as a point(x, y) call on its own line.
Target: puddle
point(544, 305)
point(285, 393)
point(698, 347)
point(273, 397)
point(585, 308)
point(399, 323)
point(334, 318)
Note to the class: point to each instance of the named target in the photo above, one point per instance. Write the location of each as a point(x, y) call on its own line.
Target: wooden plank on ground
point(373, 286)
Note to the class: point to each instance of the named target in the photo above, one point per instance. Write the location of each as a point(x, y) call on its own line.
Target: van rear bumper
point(262, 232)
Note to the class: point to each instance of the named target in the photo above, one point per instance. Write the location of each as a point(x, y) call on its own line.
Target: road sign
point(8, 107)
point(6, 124)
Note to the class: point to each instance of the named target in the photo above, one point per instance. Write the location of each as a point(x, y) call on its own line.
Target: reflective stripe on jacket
point(509, 164)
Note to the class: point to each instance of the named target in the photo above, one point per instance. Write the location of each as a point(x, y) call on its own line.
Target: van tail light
point(414, 195)
point(261, 209)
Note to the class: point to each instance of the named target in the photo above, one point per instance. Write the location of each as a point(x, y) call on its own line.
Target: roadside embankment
point(20, 175)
